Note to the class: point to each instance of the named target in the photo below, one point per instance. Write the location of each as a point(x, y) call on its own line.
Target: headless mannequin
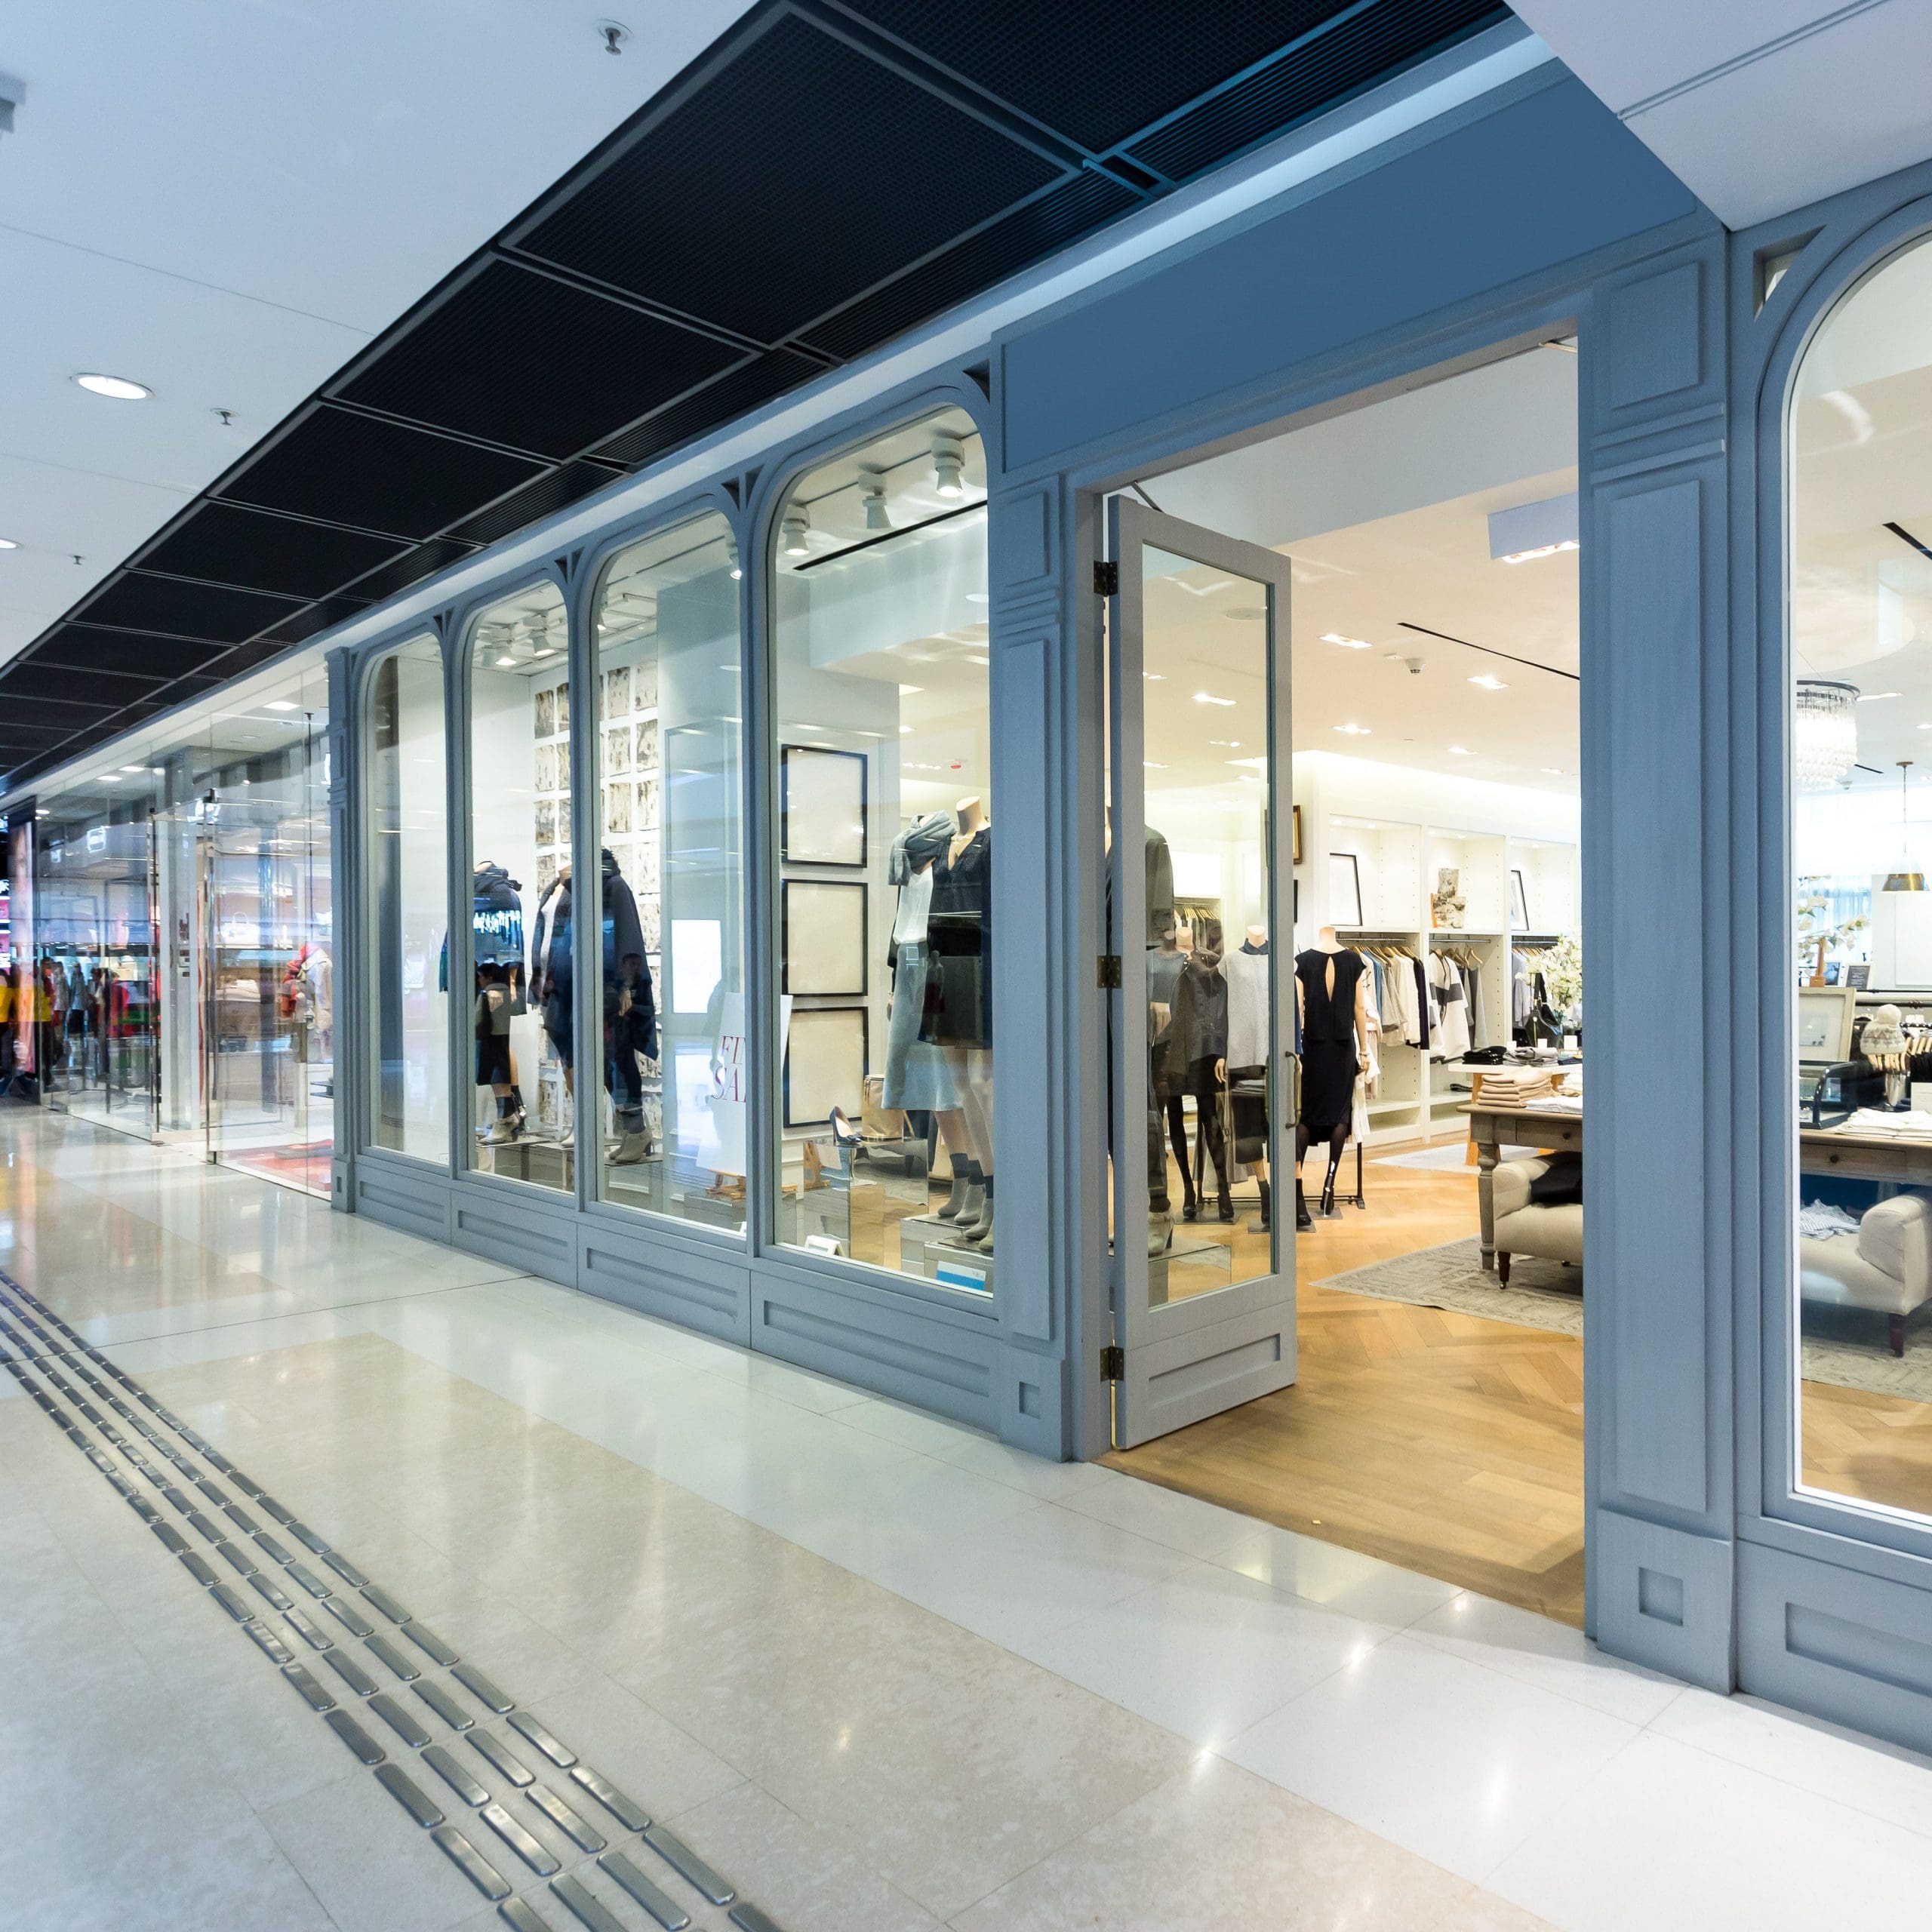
point(1176, 941)
point(1325, 941)
point(1257, 937)
point(972, 1078)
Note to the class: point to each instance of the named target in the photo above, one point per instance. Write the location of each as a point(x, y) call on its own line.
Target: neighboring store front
point(182, 953)
point(791, 907)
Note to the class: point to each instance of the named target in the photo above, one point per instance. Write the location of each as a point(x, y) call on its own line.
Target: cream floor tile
point(1340, 1579)
point(1215, 1846)
point(1456, 1762)
point(1668, 1839)
point(1537, 1649)
point(1161, 1515)
point(1207, 1653)
point(809, 1879)
point(946, 1763)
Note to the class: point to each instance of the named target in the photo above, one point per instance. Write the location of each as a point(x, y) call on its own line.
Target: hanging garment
point(958, 1004)
point(1199, 1028)
point(917, 1074)
point(1329, 1052)
point(1249, 975)
point(1424, 1002)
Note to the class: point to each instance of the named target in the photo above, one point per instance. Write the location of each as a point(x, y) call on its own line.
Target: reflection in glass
point(407, 854)
point(881, 761)
point(670, 969)
point(1861, 638)
point(522, 995)
point(1205, 795)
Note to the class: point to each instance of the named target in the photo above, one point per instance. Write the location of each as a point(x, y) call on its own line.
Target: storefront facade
point(757, 708)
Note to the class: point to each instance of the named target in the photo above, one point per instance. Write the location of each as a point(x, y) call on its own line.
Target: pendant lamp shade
point(1905, 879)
point(1824, 732)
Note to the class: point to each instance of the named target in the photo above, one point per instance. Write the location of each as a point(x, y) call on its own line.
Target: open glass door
point(1201, 917)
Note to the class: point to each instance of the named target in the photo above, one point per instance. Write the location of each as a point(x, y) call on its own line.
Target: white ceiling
point(225, 199)
point(1384, 513)
point(1758, 106)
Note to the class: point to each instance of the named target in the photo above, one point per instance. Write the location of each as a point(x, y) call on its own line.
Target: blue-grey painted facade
point(1527, 215)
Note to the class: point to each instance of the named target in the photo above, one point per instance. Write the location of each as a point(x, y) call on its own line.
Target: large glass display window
point(881, 767)
point(1860, 946)
point(668, 972)
point(406, 854)
point(521, 996)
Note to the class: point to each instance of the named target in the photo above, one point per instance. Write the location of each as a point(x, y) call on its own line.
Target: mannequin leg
point(1176, 1123)
point(1337, 1140)
point(977, 1088)
point(951, 1125)
point(1303, 1219)
point(1208, 1092)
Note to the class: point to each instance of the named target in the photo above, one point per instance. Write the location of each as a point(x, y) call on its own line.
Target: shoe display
point(633, 1148)
point(500, 1133)
point(1303, 1219)
point(1160, 1235)
point(948, 1209)
point(1224, 1208)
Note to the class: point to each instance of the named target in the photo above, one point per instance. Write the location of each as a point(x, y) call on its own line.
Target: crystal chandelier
point(1825, 737)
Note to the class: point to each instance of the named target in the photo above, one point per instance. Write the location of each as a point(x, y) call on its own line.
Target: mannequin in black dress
point(1331, 1000)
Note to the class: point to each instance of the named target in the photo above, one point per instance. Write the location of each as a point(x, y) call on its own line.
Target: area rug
point(1846, 1347)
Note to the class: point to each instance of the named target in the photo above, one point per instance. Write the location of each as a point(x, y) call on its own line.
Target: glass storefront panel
point(407, 853)
point(881, 766)
point(521, 997)
point(96, 952)
point(1861, 636)
point(669, 970)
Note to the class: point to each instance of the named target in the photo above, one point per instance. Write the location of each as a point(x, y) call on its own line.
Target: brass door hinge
point(1113, 1363)
point(1106, 972)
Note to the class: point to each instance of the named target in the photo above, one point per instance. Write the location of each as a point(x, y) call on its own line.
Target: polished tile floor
point(881, 1671)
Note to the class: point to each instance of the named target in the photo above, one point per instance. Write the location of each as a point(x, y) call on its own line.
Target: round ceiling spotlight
point(118, 387)
point(949, 464)
point(796, 529)
point(871, 490)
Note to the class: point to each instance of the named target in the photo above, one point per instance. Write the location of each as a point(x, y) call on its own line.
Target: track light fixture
point(872, 490)
point(796, 529)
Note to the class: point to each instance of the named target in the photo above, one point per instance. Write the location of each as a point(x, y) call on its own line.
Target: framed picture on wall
point(825, 1063)
point(1344, 889)
point(824, 940)
point(1519, 903)
point(822, 806)
point(1297, 835)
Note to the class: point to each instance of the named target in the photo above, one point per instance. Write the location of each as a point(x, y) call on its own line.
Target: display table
point(1880, 1157)
point(1494, 1128)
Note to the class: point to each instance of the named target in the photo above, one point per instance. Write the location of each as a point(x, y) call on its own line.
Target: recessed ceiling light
point(1871, 697)
point(7, 543)
point(1353, 731)
point(1147, 765)
point(133, 767)
point(978, 597)
point(1208, 697)
point(1460, 751)
point(118, 387)
point(1246, 613)
point(1346, 643)
point(1228, 744)
point(1488, 683)
point(279, 704)
point(905, 730)
point(1155, 677)
point(1541, 550)
point(109, 778)
point(1552, 770)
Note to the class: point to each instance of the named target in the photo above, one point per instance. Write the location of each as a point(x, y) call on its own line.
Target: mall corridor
point(295, 1507)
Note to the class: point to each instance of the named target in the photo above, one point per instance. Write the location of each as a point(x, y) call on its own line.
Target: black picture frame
point(1519, 903)
point(862, 1015)
point(1344, 889)
point(793, 848)
point(812, 888)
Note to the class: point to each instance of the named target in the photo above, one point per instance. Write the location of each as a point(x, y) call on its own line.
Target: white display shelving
point(1398, 860)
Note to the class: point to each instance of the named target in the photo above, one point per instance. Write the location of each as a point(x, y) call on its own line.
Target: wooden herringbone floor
point(1440, 1441)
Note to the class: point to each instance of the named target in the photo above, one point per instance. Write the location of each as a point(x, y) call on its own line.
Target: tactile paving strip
point(40, 1351)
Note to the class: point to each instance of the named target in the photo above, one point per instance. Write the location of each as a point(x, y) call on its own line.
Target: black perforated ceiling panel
point(829, 175)
point(802, 175)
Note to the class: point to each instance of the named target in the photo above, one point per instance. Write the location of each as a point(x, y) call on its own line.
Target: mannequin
point(1249, 972)
point(958, 1014)
point(1164, 962)
point(1331, 1001)
point(1199, 1043)
point(1161, 922)
point(918, 1075)
point(495, 925)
